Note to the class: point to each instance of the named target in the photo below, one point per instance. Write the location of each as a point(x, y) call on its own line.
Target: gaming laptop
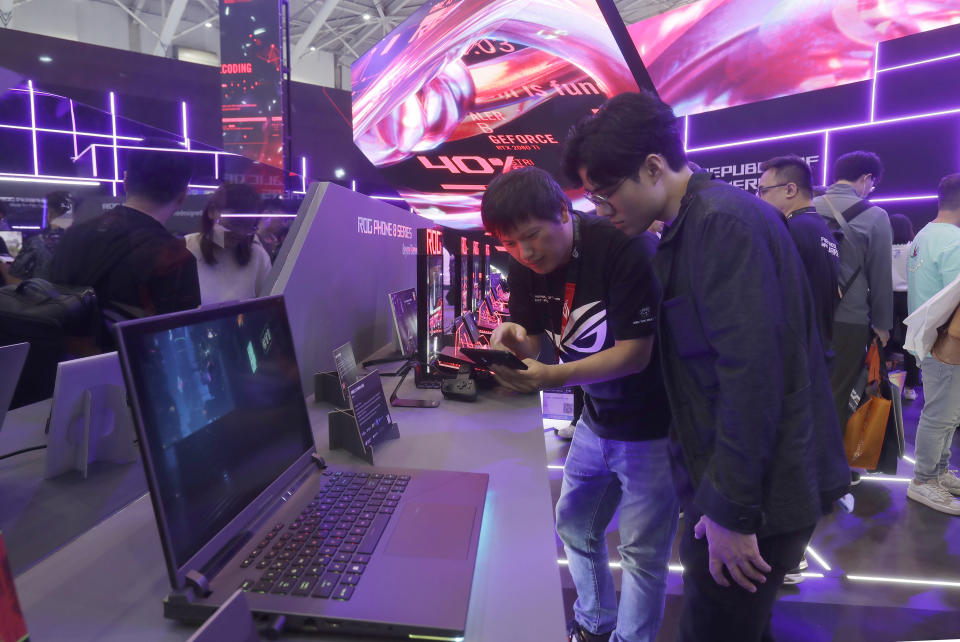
point(242, 501)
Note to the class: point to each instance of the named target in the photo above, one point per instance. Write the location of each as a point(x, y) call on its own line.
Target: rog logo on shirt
point(586, 331)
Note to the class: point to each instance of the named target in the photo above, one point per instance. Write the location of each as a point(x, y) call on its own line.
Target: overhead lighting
point(45, 59)
point(367, 16)
point(208, 25)
point(313, 48)
point(339, 172)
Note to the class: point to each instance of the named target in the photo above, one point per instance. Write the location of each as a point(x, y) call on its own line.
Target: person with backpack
point(787, 184)
point(865, 241)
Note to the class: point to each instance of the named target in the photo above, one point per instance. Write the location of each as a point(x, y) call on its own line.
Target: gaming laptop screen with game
point(221, 402)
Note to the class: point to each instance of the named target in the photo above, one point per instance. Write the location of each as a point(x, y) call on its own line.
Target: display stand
point(232, 621)
point(367, 422)
point(345, 434)
point(326, 387)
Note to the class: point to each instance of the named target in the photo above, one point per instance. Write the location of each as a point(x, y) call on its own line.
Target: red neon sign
point(434, 243)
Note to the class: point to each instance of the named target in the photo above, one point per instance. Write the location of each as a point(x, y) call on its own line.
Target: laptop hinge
point(198, 582)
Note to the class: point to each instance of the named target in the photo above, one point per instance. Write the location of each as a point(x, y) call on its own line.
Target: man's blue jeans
point(938, 419)
point(601, 476)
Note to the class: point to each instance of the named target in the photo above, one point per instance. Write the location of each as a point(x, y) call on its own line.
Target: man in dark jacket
point(758, 451)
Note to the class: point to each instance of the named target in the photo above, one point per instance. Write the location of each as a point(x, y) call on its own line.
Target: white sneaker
point(951, 482)
point(566, 432)
point(803, 563)
point(932, 494)
point(910, 394)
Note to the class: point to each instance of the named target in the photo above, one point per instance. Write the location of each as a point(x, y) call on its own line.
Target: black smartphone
point(489, 358)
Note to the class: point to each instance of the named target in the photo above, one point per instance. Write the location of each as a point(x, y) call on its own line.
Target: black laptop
point(241, 501)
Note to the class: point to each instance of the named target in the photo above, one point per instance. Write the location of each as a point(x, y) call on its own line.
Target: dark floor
point(885, 538)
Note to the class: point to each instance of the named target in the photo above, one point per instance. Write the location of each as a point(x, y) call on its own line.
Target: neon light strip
point(767, 139)
point(414, 636)
point(554, 467)
point(389, 198)
point(353, 185)
point(183, 119)
point(33, 133)
point(163, 149)
point(43, 217)
point(264, 215)
point(909, 460)
point(826, 155)
point(73, 123)
point(873, 87)
point(822, 562)
point(895, 199)
point(459, 186)
point(56, 180)
point(216, 165)
point(884, 478)
point(203, 186)
point(116, 162)
point(902, 580)
point(686, 131)
point(921, 62)
point(303, 173)
point(49, 130)
point(25, 227)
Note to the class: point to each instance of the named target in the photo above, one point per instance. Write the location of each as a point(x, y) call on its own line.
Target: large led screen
point(464, 90)
point(714, 54)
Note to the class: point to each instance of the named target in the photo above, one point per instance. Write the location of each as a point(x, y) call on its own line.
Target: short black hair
point(159, 174)
point(791, 169)
point(853, 165)
point(902, 228)
point(521, 195)
point(615, 142)
point(948, 193)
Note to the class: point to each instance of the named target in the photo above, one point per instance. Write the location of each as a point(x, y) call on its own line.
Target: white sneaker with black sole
point(796, 575)
point(935, 496)
point(566, 432)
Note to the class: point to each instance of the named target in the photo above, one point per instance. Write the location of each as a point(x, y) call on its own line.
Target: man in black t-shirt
point(787, 184)
point(590, 289)
point(134, 264)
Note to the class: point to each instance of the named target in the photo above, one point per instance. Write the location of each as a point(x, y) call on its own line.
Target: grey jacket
point(869, 300)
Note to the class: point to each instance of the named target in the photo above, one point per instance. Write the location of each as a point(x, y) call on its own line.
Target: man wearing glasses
point(787, 184)
point(756, 450)
point(866, 276)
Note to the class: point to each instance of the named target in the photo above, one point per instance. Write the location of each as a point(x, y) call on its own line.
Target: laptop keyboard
point(324, 552)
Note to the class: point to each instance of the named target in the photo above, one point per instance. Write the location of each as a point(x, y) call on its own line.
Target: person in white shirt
point(231, 262)
point(902, 238)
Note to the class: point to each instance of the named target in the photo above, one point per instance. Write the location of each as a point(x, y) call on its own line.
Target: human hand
point(883, 335)
point(735, 551)
point(536, 377)
point(511, 336)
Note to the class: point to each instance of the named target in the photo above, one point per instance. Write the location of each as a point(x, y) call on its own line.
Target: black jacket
point(743, 366)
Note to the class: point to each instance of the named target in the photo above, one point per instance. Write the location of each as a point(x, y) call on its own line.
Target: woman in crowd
point(231, 262)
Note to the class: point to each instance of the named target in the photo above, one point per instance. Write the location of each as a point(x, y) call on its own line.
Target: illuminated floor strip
point(675, 568)
point(909, 459)
point(822, 562)
point(901, 580)
point(555, 467)
point(883, 478)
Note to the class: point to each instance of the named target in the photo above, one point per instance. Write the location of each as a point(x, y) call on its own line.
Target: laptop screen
point(221, 408)
point(404, 307)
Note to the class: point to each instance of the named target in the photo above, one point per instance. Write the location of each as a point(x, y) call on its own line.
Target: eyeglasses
point(761, 189)
point(600, 200)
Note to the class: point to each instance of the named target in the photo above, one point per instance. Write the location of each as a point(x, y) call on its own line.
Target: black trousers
point(897, 337)
point(850, 349)
point(716, 613)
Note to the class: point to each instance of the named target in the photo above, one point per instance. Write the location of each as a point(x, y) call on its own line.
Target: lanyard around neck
point(570, 289)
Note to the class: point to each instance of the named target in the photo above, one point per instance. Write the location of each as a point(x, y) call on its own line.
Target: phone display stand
point(345, 434)
point(99, 427)
point(232, 621)
point(326, 387)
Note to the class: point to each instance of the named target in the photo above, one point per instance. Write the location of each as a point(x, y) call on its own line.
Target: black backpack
point(58, 322)
point(837, 224)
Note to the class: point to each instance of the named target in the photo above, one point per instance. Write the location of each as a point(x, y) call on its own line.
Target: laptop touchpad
point(433, 530)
